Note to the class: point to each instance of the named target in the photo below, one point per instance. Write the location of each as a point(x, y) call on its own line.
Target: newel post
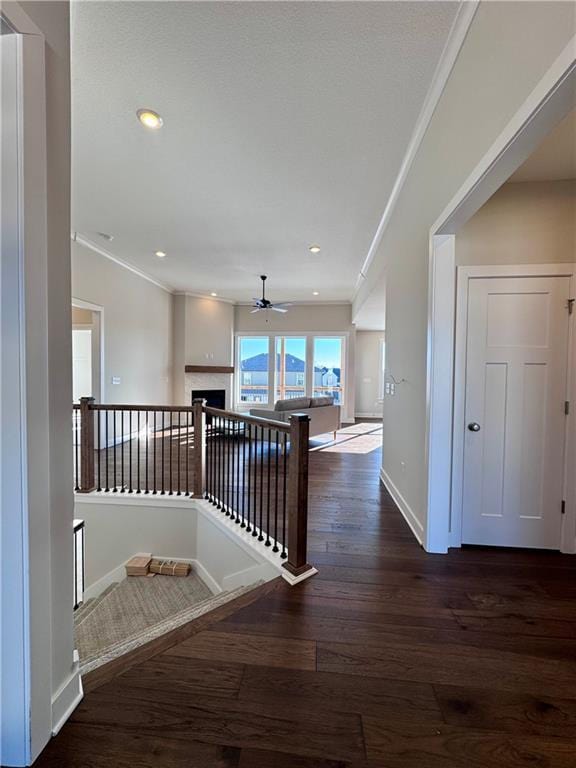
point(87, 482)
point(297, 502)
point(198, 405)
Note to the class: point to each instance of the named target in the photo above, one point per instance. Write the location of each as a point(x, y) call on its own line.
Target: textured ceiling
point(285, 125)
point(555, 158)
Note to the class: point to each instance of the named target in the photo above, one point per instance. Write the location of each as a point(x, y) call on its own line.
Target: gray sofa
point(324, 415)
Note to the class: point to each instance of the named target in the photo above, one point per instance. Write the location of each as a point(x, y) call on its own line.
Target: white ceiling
point(555, 158)
point(285, 125)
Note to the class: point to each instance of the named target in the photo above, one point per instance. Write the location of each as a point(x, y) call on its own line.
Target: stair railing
point(253, 470)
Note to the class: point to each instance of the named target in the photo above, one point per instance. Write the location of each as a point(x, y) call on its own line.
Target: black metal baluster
point(154, 455)
point(179, 448)
point(99, 488)
point(268, 479)
point(227, 454)
point(114, 449)
point(255, 484)
point(261, 473)
point(233, 462)
point(249, 479)
point(285, 452)
point(237, 449)
point(170, 441)
point(75, 422)
point(219, 468)
point(139, 488)
point(107, 461)
point(187, 453)
point(122, 452)
point(243, 523)
point(130, 452)
point(147, 422)
point(162, 458)
point(277, 440)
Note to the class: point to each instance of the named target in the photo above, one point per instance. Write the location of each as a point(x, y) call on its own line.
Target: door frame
point(550, 101)
point(464, 275)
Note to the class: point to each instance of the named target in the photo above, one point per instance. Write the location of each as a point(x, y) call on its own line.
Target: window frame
point(309, 336)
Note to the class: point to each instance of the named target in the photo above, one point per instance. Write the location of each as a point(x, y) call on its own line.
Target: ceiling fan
point(265, 304)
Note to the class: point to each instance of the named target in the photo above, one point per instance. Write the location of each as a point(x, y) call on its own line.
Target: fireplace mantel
point(209, 369)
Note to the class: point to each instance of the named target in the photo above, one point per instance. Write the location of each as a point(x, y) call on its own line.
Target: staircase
point(137, 610)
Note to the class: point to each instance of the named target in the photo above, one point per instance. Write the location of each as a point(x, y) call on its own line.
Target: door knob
point(474, 426)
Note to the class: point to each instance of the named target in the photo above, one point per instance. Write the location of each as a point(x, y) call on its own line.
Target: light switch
point(115, 379)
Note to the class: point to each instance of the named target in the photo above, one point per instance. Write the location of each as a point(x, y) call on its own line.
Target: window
point(253, 359)
point(290, 367)
point(271, 368)
point(328, 368)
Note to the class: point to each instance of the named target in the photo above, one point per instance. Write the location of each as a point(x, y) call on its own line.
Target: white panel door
point(516, 368)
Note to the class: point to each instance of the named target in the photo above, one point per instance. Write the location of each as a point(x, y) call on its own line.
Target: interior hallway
point(388, 657)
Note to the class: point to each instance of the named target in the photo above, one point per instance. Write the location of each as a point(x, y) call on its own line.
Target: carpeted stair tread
point(90, 605)
point(87, 664)
point(132, 607)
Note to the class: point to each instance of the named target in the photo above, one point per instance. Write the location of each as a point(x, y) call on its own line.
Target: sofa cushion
point(296, 404)
point(318, 402)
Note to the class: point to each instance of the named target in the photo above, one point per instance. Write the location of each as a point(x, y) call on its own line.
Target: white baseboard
point(415, 525)
point(67, 697)
point(115, 575)
point(258, 572)
point(368, 415)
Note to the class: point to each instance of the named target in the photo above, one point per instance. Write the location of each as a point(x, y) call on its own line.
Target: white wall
point(523, 223)
point(508, 49)
point(118, 528)
point(368, 373)
point(137, 334)
point(309, 318)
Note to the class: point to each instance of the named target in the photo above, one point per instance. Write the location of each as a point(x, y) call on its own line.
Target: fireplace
point(215, 398)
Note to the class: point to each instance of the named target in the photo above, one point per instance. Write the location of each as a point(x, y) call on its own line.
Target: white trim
point(465, 274)
point(67, 697)
point(568, 536)
point(367, 415)
point(549, 102)
point(415, 525)
point(76, 237)
point(454, 42)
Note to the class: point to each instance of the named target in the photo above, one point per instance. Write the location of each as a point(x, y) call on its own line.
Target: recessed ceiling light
point(149, 118)
point(315, 293)
point(160, 254)
point(314, 249)
point(213, 294)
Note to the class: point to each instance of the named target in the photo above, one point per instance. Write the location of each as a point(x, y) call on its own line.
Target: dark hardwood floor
point(389, 657)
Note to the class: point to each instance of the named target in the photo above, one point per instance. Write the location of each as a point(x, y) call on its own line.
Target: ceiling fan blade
point(278, 309)
point(258, 309)
point(284, 304)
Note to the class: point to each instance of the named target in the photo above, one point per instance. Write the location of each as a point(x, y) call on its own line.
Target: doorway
point(512, 366)
point(87, 364)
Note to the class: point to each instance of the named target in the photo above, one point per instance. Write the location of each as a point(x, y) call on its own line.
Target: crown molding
point(77, 237)
point(458, 31)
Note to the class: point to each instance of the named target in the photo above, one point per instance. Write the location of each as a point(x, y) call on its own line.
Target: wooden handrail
point(259, 421)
